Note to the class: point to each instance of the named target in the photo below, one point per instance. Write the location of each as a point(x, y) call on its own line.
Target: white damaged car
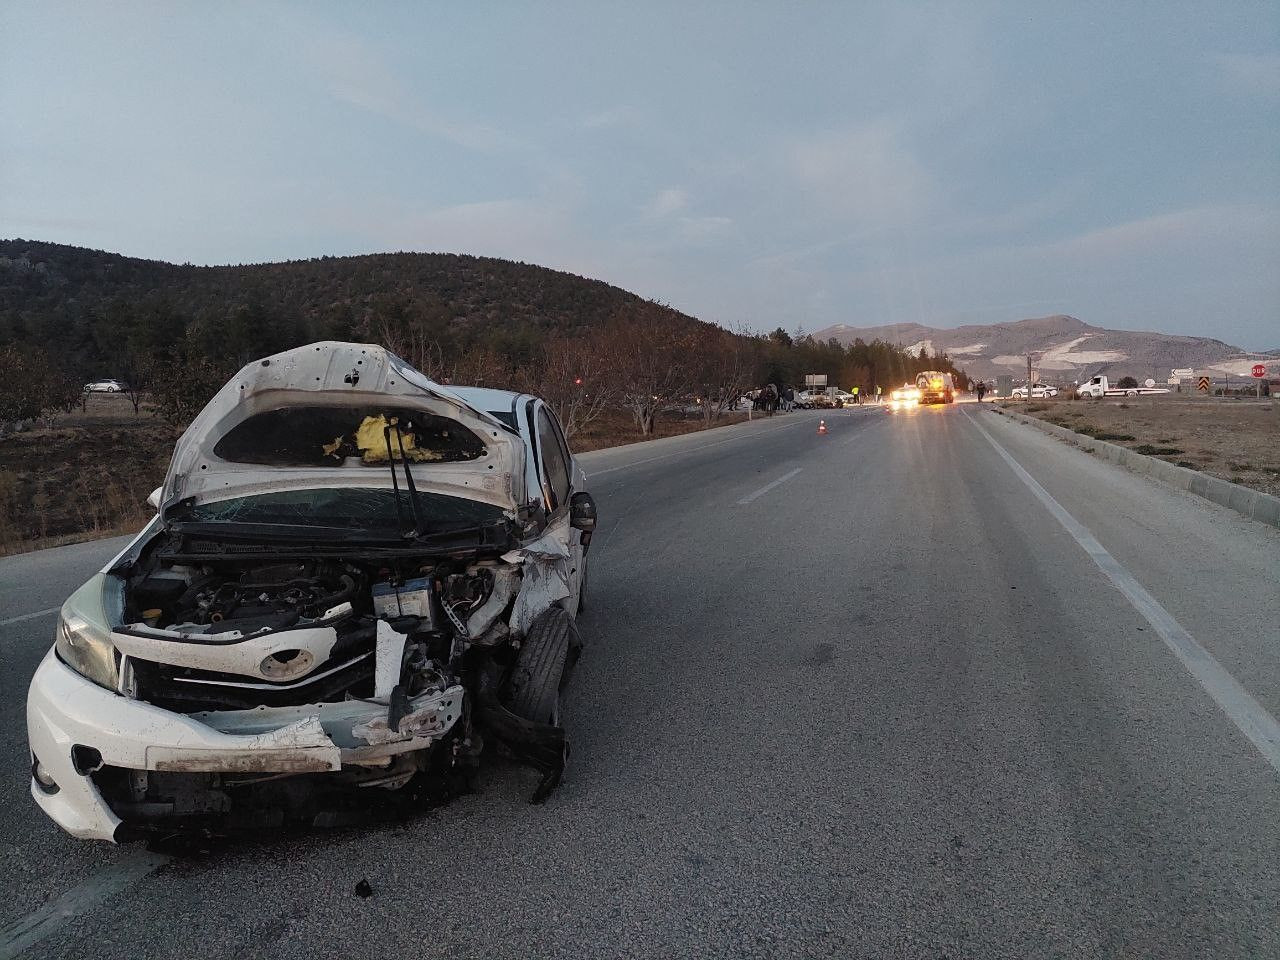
point(355, 576)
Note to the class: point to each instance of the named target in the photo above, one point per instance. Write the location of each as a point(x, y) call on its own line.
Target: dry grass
point(80, 476)
point(1236, 440)
point(616, 427)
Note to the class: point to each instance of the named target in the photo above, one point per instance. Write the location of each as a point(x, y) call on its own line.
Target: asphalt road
point(862, 694)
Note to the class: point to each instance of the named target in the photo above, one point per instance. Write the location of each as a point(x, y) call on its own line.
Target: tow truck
point(1100, 386)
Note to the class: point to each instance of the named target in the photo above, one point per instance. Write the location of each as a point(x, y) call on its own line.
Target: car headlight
point(83, 639)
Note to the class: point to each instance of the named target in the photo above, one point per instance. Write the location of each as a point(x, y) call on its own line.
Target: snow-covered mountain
point(1069, 348)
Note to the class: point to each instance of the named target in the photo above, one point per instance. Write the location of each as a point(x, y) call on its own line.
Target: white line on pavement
point(22, 934)
point(29, 616)
point(769, 486)
point(1236, 702)
point(677, 453)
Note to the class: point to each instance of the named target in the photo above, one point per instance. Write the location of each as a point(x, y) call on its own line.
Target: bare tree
point(478, 367)
point(576, 376)
point(724, 364)
point(30, 384)
point(652, 353)
point(412, 344)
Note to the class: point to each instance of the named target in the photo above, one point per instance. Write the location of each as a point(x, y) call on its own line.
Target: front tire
point(543, 666)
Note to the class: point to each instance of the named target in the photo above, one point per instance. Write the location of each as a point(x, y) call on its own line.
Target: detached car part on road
point(355, 577)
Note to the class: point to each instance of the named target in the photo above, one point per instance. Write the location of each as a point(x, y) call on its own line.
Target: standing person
point(878, 391)
point(771, 399)
point(855, 394)
point(981, 388)
point(788, 399)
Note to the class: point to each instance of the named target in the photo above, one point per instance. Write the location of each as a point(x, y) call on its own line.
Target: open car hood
point(318, 416)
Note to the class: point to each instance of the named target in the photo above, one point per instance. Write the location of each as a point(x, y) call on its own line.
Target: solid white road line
point(769, 486)
point(1236, 702)
point(678, 453)
point(29, 616)
point(20, 935)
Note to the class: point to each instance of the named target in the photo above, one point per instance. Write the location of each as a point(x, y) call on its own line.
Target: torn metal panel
point(301, 747)
point(430, 719)
point(341, 722)
point(389, 657)
point(276, 656)
point(506, 583)
point(545, 564)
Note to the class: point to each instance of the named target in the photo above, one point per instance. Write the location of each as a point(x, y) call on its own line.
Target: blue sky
point(793, 164)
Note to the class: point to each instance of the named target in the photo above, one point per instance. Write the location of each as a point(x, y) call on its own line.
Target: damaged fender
point(545, 563)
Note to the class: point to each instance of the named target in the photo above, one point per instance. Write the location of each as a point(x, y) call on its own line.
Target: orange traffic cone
point(822, 428)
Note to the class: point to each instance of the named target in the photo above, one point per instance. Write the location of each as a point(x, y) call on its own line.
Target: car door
point(559, 477)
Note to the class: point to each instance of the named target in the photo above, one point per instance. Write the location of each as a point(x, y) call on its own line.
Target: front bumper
point(66, 711)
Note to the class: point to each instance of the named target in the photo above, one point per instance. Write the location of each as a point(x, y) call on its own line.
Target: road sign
point(1259, 371)
point(1203, 385)
point(815, 380)
point(1181, 372)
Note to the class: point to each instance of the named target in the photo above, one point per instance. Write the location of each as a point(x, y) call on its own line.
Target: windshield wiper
point(408, 482)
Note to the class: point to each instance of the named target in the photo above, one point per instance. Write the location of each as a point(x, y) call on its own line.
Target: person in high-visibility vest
point(855, 394)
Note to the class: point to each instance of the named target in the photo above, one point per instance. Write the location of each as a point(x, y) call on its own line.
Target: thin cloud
point(1257, 73)
point(866, 174)
point(622, 115)
point(353, 72)
point(666, 202)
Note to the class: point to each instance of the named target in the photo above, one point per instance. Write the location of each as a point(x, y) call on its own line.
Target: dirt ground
point(87, 474)
point(616, 427)
point(1234, 439)
point(81, 475)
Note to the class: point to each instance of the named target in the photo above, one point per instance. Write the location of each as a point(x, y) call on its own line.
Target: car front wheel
point(543, 666)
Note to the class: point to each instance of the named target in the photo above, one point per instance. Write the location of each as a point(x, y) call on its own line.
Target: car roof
point(486, 398)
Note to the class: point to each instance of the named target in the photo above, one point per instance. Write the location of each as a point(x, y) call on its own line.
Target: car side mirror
point(582, 512)
point(154, 499)
point(582, 516)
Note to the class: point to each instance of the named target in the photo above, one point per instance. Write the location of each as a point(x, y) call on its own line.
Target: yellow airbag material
point(371, 440)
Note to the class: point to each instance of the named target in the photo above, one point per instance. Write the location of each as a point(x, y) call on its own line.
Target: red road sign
point(1259, 370)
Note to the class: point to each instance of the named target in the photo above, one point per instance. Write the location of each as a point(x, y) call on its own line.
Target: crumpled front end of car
point(238, 665)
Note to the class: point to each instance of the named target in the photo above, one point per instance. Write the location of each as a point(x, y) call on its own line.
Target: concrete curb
point(1245, 501)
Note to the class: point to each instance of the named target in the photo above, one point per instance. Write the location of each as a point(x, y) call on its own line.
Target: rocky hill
point(1070, 348)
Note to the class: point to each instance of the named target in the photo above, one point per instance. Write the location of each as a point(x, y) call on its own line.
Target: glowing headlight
point(83, 639)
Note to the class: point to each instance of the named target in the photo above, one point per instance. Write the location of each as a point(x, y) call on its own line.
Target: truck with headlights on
point(936, 387)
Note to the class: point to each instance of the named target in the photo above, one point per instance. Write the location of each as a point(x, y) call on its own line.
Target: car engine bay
point(251, 636)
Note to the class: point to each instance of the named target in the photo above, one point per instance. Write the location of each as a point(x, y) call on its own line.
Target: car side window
point(564, 444)
point(555, 465)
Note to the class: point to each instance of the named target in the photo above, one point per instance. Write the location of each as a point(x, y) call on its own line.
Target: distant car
point(845, 398)
point(1039, 391)
point(907, 393)
point(105, 386)
point(804, 400)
